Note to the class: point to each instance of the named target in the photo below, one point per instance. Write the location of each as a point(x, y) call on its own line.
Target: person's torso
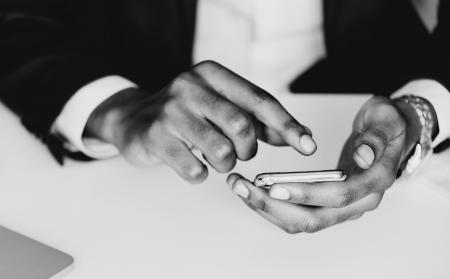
point(153, 41)
point(267, 41)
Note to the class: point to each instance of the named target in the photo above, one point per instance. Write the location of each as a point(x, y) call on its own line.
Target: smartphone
point(268, 179)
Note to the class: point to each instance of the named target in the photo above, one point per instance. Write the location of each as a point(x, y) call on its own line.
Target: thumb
point(377, 129)
point(369, 146)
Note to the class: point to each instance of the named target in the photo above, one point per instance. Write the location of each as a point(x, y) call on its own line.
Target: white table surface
point(122, 222)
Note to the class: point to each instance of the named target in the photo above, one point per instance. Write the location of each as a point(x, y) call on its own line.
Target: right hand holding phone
point(209, 108)
point(381, 138)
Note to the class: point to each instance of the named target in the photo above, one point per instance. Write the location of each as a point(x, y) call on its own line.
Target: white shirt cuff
point(72, 120)
point(438, 96)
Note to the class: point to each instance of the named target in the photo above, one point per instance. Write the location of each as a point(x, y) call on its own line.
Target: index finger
point(259, 103)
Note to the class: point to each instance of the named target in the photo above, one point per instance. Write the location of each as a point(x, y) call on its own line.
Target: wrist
point(106, 121)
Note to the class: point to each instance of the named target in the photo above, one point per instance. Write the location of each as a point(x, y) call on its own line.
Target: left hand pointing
point(383, 133)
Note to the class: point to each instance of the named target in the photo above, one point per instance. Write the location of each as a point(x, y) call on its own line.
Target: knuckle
point(291, 229)
point(340, 218)
point(173, 151)
point(313, 224)
point(304, 197)
point(380, 137)
point(182, 81)
point(208, 65)
point(347, 197)
point(264, 98)
point(223, 151)
point(211, 100)
point(374, 203)
point(386, 108)
point(240, 124)
point(262, 205)
point(168, 111)
point(198, 128)
point(291, 124)
point(139, 147)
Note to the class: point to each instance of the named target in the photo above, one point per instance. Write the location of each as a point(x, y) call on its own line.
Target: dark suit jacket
point(50, 48)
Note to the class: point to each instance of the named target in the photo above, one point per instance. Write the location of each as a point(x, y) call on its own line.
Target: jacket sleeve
point(47, 53)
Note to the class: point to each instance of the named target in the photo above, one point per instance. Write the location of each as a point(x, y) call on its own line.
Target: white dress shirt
point(269, 42)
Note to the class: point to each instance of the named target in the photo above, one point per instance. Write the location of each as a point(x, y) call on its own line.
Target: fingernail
point(307, 144)
point(280, 193)
point(241, 190)
point(364, 156)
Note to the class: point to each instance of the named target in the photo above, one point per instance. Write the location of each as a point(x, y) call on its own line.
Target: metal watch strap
point(424, 147)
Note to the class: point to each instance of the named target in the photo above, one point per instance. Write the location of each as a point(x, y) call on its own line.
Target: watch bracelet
point(423, 148)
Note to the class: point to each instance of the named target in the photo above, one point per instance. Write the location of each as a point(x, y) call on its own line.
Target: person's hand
point(383, 133)
point(209, 108)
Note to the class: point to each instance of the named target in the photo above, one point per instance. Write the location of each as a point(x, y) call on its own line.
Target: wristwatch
point(424, 147)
